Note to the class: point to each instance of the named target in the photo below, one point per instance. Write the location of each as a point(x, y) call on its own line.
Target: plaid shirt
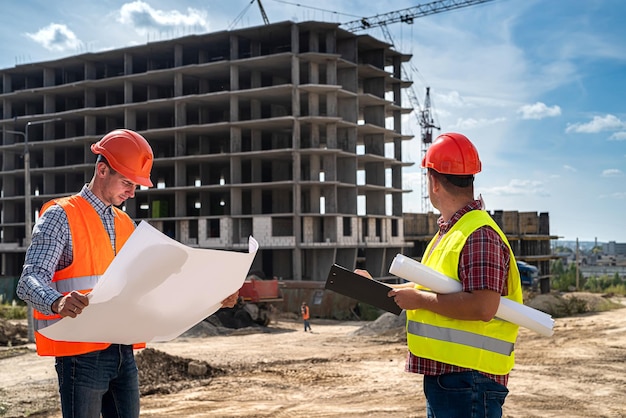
point(51, 250)
point(483, 264)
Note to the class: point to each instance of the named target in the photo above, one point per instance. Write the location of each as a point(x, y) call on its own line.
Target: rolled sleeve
point(49, 241)
point(484, 262)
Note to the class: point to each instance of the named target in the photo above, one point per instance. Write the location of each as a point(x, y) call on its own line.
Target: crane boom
point(263, 14)
point(409, 14)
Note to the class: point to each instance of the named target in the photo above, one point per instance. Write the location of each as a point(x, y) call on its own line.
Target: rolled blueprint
point(509, 310)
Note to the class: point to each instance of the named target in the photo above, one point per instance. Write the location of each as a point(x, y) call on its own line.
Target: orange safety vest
point(92, 254)
point(305, 312)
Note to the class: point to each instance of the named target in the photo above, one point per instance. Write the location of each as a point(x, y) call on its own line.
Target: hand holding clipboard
point(370, 291)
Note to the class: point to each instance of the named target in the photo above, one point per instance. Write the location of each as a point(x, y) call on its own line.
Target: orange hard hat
point(452, 153)
point(128, 153)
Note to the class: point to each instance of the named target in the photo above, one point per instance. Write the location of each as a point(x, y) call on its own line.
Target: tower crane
point(425, 120)
point(424, 114)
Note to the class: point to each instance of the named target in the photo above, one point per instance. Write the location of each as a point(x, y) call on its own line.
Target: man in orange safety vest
point(73, 242)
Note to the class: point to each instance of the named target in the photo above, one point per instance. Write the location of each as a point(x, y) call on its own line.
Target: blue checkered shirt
point(51, 250)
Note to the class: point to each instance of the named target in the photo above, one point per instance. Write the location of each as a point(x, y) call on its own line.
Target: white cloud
point(615, 195)
point(597, 124)
point(539, 111)
point(412, 180)
point(618, 136)
point(517, 187)
point(612, 172)
point(471, 123)
point(451, 99)
point(144, 18)
point(56, 37)
point(569, 168)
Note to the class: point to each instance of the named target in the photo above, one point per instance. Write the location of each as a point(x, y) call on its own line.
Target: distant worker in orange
point(73, 242)
point(304, 310)
point(464, 352)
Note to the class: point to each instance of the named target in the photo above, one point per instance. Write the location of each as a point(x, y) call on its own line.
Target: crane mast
point(263, 14)
point(427, 125)
point(425, 114)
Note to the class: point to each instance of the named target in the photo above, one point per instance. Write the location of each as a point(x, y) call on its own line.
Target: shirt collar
point(444, 226)
point(93, 200)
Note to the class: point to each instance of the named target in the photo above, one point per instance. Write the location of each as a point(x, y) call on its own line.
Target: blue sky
point(539, 86)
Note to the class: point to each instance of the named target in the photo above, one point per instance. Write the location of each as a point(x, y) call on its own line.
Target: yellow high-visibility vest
point(488, 347)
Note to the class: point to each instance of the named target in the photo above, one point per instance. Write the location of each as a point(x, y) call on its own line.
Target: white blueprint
point(154, 290)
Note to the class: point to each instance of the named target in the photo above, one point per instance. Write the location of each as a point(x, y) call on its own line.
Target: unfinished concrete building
point(289, 132)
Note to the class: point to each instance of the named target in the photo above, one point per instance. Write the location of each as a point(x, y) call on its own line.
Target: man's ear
point(101, 169)
point(434, 181)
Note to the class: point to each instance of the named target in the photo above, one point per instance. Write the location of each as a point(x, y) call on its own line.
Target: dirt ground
point(341, 369)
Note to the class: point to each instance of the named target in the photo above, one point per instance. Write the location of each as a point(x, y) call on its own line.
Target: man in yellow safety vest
point(464, 352)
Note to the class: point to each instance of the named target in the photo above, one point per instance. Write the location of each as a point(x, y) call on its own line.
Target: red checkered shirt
point(483, 264)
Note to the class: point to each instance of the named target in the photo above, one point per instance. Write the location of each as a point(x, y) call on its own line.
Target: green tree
point(592, 284)
point(557, 267)
point(616, 280)
point(597, 250)
point(564, 277)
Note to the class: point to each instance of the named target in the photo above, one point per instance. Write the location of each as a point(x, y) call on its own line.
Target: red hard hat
point(128, 153)
point(452, 153)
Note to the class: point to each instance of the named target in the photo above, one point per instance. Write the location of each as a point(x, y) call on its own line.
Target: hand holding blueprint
point(154, 290)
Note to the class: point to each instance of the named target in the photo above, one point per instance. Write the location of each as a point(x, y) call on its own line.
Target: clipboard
point(373, 292)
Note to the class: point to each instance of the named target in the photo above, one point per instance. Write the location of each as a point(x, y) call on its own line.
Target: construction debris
point(162, 373)
point(12, 334)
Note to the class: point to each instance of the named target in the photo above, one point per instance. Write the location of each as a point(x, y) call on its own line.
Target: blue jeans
point(100, 382)
point(463, 395)
point(307, 325)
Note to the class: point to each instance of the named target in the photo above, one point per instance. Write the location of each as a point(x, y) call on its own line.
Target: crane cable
point(317, 8)
point(245, 10)
point(240, 15)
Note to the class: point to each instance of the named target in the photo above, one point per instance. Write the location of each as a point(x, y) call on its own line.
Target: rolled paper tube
point(509, 310)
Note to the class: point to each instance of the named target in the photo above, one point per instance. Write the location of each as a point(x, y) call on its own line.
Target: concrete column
point(90, 71)
point(128, 63)
point(314, 73)
point(128, 92)
point(234, 47)
point(178, 55)
point(178, 84)
point(331, 104)
point(6, 86)
point(314, 106)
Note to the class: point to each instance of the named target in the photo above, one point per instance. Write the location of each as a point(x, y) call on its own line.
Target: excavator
point(256, 302)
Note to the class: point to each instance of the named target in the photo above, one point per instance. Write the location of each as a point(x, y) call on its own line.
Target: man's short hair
point(461, 181)
point(102, 159)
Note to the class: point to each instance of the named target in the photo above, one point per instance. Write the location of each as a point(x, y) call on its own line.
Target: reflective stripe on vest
point(42, 323)
point(65, 286)
point(461, 337)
